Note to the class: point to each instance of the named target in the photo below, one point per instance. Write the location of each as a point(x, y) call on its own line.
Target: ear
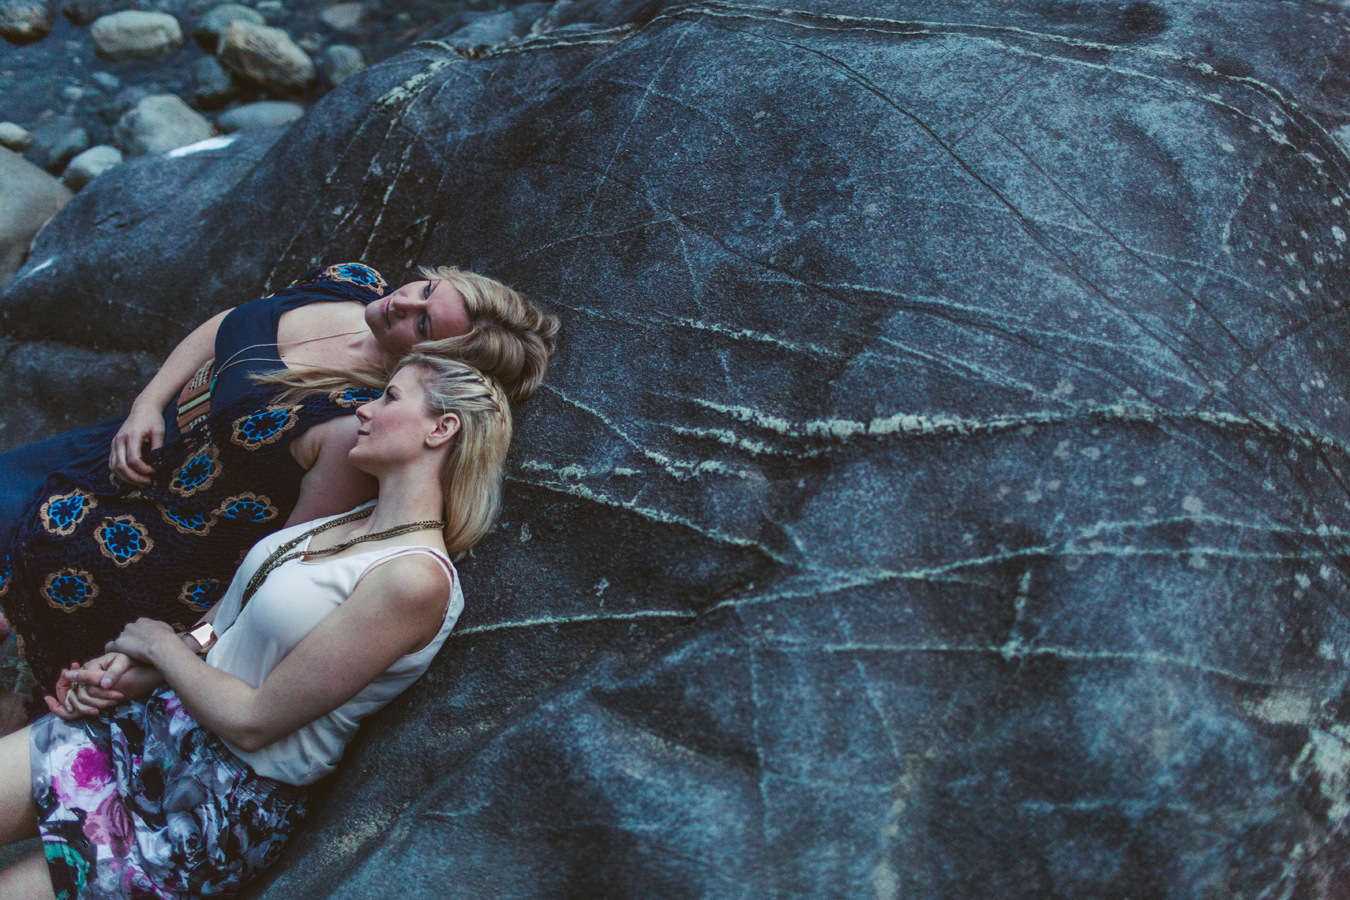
point(447, 426)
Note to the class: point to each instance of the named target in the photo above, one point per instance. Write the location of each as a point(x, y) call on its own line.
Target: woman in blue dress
point(150, 515)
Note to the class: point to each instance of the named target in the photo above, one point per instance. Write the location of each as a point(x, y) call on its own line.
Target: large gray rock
point(53, 387)
point(266, 57)
point(136, 34)
point(160, 122)
point(162, 199)
point(212, 25)
point(28, 198)
point(938, 493)
point(25, 21)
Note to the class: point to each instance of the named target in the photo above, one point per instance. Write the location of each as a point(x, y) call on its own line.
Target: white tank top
point(288, 605)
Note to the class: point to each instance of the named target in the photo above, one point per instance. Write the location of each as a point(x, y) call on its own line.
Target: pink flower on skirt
point(91, 769)
point(111, 826)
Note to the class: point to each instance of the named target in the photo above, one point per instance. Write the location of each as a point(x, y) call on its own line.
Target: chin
point(361, 461)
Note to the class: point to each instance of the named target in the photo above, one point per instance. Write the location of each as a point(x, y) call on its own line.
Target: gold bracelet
point(205, 636)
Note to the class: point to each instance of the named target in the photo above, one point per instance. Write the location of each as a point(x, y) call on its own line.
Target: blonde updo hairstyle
point(471, 478)
point(508, 339)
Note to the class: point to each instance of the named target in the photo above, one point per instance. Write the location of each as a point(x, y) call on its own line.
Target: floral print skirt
point(145, 803)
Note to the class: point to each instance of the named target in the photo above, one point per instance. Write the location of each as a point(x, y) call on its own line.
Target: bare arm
point(395, 609)
point(331, 484)
point(105, 681)
point(145, 421)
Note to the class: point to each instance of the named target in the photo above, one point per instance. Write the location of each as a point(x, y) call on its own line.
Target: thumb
point(116, 670)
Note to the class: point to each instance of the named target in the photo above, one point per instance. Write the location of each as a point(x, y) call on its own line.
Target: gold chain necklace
point(280, 555)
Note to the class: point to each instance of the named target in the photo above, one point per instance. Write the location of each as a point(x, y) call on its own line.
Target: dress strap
point(429, 551)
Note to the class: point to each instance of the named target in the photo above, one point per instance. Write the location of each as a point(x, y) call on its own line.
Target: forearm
point(182, 364)
point(220, 702)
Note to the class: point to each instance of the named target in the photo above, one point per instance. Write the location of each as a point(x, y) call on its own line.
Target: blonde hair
point(471, 477)
point(508, 340)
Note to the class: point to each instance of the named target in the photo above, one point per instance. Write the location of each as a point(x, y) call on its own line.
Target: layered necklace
point(287, 552)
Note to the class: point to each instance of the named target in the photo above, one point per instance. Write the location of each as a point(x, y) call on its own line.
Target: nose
point(363, 411)
point(406, 304)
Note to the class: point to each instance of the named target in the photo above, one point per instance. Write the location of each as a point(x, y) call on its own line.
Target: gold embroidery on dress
point(197, 472)
point(63, 513)
point(123, 540)
point(265, 427)
point(69, 590)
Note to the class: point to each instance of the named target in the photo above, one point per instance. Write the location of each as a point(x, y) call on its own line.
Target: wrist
point(203, 636)
point(149, 401)
point(163, 646)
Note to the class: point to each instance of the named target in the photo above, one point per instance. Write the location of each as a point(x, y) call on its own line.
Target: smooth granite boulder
point(940, 491)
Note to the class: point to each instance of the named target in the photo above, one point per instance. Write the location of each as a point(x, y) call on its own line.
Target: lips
point(384, 311)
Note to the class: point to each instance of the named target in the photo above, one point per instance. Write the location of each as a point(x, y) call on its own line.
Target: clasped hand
point(120, 674)
point(126, 458)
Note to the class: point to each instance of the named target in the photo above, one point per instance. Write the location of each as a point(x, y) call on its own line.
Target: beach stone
point(107, 80)
point(340, 62)
point(212, 25)
point(89, 165)
point(70, 145)
point(119, 103)
point(160, 122)
point(263, 114)
point(343, 16)
point(85, 12)
point(25, 21)
point(267, 57)
point(938, 492)
point(214, 87)
point(136, 34)
point(49, 132)
point(14, 137)
point(28, 198)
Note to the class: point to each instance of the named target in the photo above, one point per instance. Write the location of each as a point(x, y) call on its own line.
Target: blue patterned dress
point(90, 555)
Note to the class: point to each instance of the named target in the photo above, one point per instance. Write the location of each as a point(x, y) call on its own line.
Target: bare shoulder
point(412, 579)
point(336, 436)
point(339, 433)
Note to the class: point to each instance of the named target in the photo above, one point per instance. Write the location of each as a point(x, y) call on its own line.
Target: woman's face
point(396, 427)
point(418, 311)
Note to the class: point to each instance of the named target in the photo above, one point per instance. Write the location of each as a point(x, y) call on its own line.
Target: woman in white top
point(195, 788)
